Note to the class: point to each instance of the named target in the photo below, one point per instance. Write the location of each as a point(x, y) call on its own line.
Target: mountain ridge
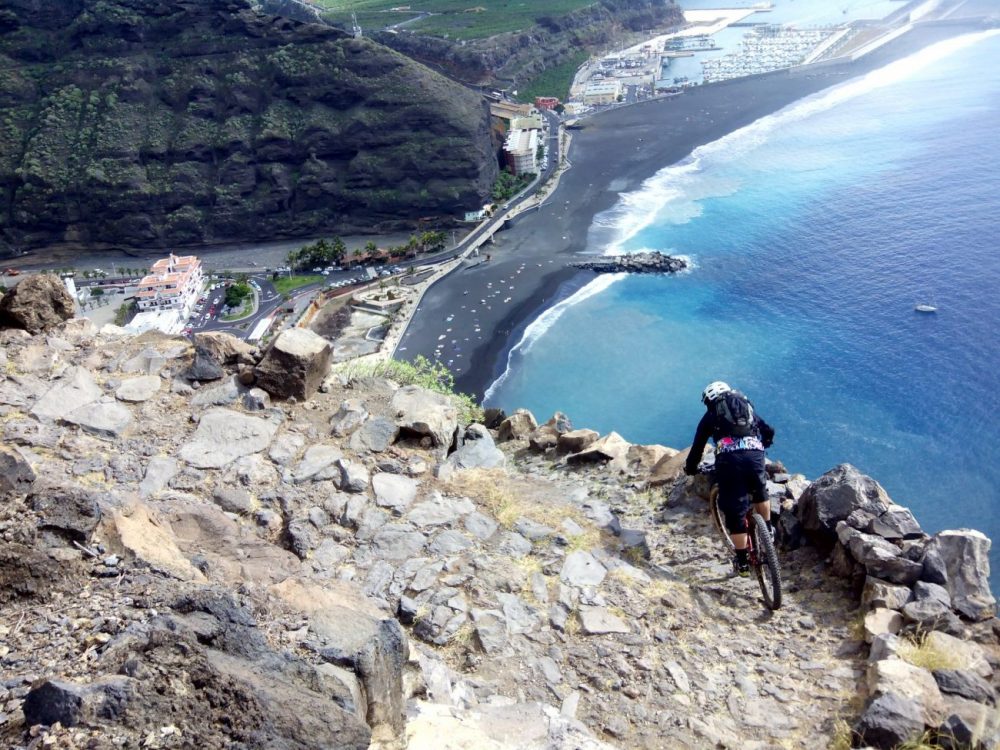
point(140, 123)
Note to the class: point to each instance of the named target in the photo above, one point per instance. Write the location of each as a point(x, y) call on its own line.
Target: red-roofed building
point(173, 283)
point(546, 102)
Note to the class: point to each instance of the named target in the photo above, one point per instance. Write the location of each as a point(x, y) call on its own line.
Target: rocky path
point(705, 662)
point(185, 563)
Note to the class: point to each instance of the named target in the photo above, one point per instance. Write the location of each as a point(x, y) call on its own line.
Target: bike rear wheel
point(719, 520)
point(766, 563)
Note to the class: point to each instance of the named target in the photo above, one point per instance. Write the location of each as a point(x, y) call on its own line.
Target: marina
point(767, 48)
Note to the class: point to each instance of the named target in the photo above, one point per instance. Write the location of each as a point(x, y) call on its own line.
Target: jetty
point(651, 262)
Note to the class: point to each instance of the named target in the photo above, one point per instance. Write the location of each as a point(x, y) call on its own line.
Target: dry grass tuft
point(508, 500)
point(923, 742)
point(922, 654)
point(586, 541)
point(843, 736)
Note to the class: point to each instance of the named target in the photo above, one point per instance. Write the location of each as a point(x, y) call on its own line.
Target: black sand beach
point(471, 318)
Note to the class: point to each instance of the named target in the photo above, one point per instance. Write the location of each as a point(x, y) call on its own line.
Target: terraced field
point(457, 19)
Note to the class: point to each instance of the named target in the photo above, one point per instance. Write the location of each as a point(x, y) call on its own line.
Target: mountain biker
point(740, 437)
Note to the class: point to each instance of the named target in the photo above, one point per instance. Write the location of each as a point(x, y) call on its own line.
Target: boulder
point(547, 435)
point(68, 511)
point(224, 348)
point(27, 572)
point(374, 436)
point(353, 476)
point(965, 684)
point(295, 364)
point(71, 704)
point(668, 468)
point(833, 497)
point(76, 388)
point(256, 399)
point(599, 621)
point(36, 304)
point(897, 677)
point(642, 458)
point(968, 653)
point(233, 499)
point(884, 646)
point(148, 362)
point(318, 463)
point(159, 472)
point(204, 366)
point(221, 394)
point(394, 491)
point(896, 522)
point(138, 389)
point(880, 621)
point(138, 531)
point(888, 721)
point(879, 593)
point(611, 448)
point(423, 412)
point(582, 569)
point(106, 420)
point(930, 603)
point(517, 426)
point(16, 474)
point(575, 441)
point(965, 554)
point(223, 436)
point(349, 417)
point(477, 451)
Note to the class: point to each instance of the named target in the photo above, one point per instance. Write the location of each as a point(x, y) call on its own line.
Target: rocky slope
point(152, 123)
point(519, 57)
point(186, 563)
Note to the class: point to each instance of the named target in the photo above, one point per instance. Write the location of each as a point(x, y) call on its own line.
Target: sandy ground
point(471, 318)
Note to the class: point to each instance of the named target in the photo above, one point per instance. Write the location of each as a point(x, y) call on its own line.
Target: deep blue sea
point(813, 233)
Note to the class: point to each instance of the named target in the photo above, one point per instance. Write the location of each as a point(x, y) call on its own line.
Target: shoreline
point(472, 318)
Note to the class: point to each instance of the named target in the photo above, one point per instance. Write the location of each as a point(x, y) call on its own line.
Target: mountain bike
point(763, 558)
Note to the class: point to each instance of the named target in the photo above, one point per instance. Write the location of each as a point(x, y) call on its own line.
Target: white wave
point(677, 183)
point(541, 325)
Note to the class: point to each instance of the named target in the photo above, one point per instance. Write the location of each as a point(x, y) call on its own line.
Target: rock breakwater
point(651, 262)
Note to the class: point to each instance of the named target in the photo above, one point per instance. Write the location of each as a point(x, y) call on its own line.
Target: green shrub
point(433, 376)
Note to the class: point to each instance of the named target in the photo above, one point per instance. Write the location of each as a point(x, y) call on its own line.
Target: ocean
point(812, 234)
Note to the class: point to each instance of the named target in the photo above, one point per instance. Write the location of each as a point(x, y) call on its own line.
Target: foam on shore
point(541, 325)
point(679, 188)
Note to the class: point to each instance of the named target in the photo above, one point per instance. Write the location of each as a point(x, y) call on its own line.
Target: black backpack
point(734, 415)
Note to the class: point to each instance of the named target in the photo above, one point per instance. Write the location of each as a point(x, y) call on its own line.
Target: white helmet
point(714, 390)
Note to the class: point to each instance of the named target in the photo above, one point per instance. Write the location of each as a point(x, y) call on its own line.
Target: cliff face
point(148, 123)
point(523, 55)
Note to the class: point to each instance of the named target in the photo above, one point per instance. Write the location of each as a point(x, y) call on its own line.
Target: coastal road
point(469, 319)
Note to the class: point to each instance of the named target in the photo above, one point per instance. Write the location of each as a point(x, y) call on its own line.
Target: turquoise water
point(813, 232)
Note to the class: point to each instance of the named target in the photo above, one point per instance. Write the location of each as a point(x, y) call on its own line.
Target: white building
point(173, 284)
point(521, 150)
point(602, 92)
point(166, 320)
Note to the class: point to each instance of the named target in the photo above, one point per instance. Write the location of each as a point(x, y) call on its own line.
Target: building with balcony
point(174, 283)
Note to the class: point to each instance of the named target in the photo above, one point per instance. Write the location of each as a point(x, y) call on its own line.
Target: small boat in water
point(924, 308)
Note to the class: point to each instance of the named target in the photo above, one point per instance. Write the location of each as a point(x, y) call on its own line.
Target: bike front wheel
point(766, 563)
point(719, 520)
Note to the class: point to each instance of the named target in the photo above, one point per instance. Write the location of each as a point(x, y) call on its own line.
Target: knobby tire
point(768, 572)
point(720, 522)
